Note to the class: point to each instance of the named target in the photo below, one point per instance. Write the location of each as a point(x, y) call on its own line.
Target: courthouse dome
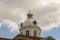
point(30, 22)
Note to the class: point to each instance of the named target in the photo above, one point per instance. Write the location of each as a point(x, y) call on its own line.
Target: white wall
point(31, 30)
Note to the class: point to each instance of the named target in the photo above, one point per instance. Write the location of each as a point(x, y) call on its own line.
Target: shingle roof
point(4, 39)
point(27, 37)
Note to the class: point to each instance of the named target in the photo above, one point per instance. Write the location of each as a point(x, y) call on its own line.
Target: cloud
point(49, 17)
point(46, 12)
point(11, 25)
point(0, 25)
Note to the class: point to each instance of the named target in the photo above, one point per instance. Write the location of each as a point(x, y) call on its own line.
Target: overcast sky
point(46, 12)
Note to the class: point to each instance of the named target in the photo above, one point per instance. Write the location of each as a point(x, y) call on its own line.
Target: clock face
point(34, 22)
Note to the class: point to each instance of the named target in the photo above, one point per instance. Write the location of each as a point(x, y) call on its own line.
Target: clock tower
point(30, 26)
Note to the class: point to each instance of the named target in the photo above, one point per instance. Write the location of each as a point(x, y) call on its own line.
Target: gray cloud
point(47, 12)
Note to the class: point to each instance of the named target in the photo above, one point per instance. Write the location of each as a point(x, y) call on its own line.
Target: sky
point(46, 12)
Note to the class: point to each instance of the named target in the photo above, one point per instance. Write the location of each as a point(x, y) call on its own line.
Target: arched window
point(35, 33)
point(21, 33)
point(27, 33)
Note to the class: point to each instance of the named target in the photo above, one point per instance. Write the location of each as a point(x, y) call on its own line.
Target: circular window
point(34, 22)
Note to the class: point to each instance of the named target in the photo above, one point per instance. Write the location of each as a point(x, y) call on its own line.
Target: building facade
point(29, 29)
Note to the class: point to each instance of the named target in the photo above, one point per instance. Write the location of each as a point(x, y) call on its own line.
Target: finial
point(29, 15)
point(29, 11)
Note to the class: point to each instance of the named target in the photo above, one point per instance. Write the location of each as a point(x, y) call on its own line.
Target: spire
point(29, 15)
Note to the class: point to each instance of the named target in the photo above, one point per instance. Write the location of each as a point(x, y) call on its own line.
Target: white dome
point(28, 22)
point(30, 25)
